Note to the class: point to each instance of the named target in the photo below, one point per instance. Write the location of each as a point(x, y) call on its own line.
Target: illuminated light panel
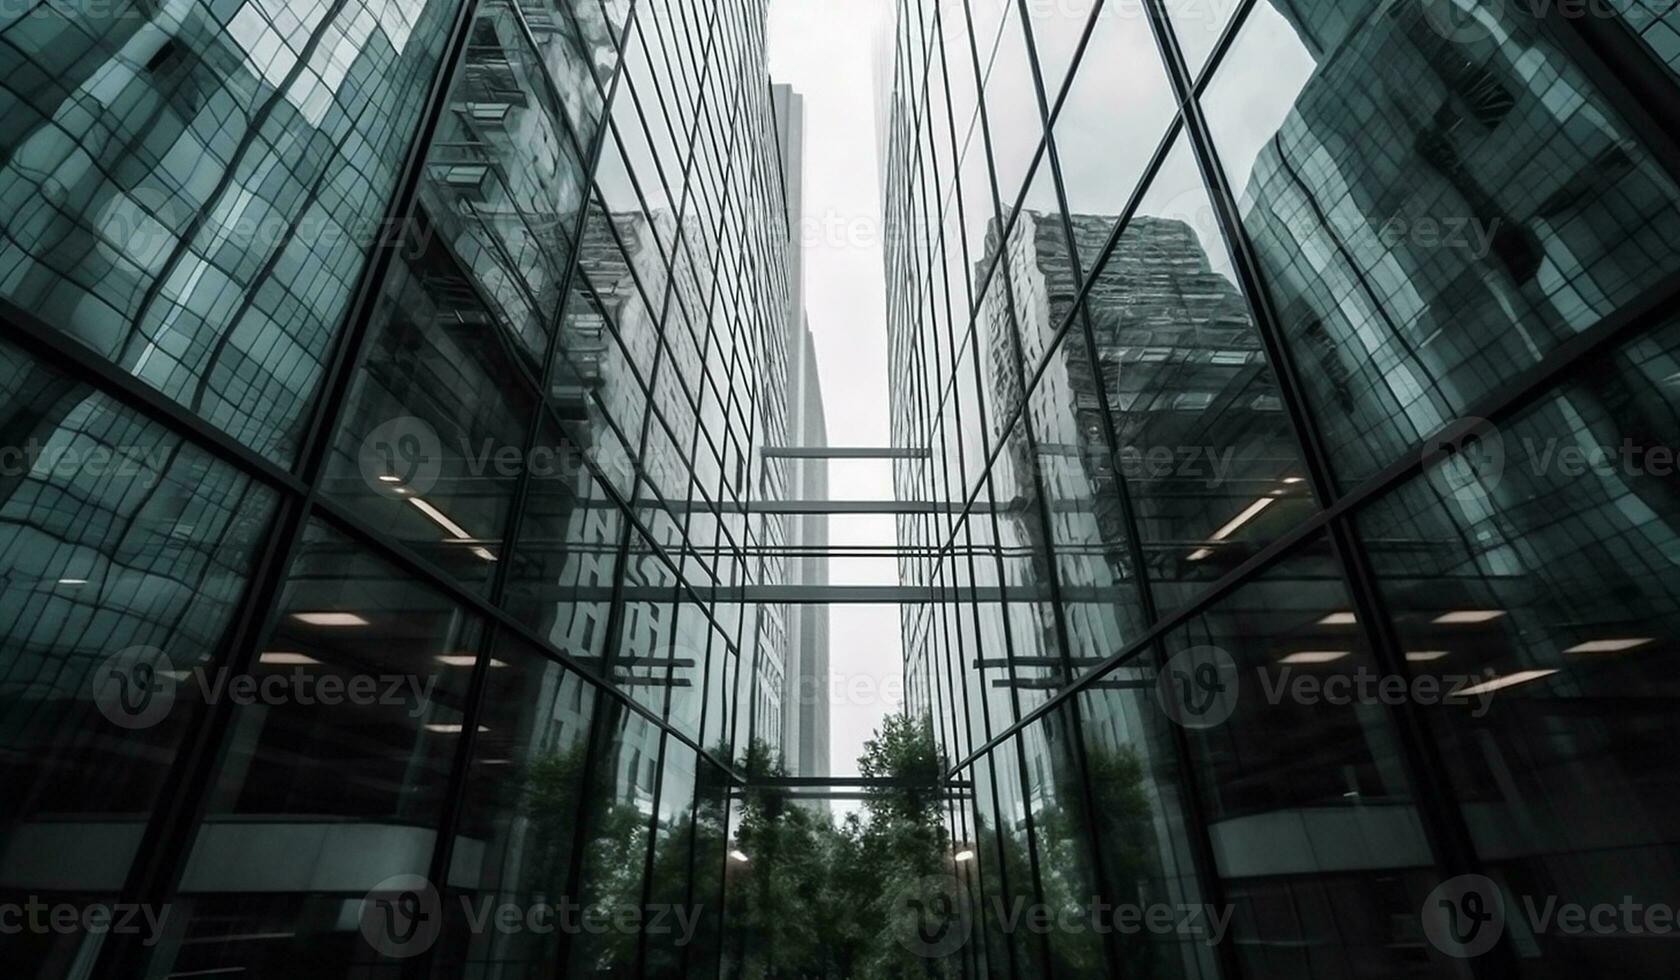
point(1237, 523)
point(1339, 619)
point(964, 856)
point(738, 856)
point(440, 518)
point(1468, 617)
point(1316, 657)
point(447, 728)
point(1501, 683)
point(72, 581)
point(329, 619)
point(1426, 656)
point(282, 658)
point(1611, 646)
point(1199, 554)
point(463, 660)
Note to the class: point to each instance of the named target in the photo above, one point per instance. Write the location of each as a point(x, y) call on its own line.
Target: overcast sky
point(824, 49)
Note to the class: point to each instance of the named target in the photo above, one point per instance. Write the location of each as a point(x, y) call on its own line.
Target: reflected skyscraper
point(383, 386)
point(1244, 339)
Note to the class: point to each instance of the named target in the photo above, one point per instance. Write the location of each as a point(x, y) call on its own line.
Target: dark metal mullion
point(1153, 167)
point(1074, 726)
point(1633, 318)
point(168, 838)
point(999, 267)
point(454, 805)
point(1443, 823)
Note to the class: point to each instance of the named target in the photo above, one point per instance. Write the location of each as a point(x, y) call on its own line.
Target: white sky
point(824, 49)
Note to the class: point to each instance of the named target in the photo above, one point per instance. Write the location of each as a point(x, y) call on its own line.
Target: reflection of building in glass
point(380, 402)
point(1188, 448)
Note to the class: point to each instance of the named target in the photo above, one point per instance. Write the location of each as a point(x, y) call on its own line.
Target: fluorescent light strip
point(1501, 683)
point(1469, 617)
point(281, 658)
point(1611, 646)
point(440, 518)
point(1339, 619)
point(1317, 657)
point(1426, 656)
point(1254, 510)
point(443, 728)
point(329, 619)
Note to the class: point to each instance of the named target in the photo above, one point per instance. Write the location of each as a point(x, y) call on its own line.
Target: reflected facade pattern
point(382, 385)
point(1303, 347)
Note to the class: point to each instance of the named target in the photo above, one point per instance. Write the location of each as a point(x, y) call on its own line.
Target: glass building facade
point(1300, 390)
point(381, 383)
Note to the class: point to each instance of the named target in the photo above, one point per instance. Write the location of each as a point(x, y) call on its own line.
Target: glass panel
point(1118, 107)
point(1207, 453)
point(193, 194)
point(1198, 24)
point(1132, 756)
point(1433, 209)
point(1013, 118)
point(126, 552)
point(1312, 822)
point(617, 819)
point(1056, 30)
point(1542, 584)
point(1062, 834)
point(331, 784)
point(519, 821)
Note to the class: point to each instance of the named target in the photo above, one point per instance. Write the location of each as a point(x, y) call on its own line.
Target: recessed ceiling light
point(1199, 554)
point(1236, 523)
point(1317, 657)
point(1468, 617)
point(1500, 683)
point(1611, 646)
point(282, 658)
point(447, 728)
point(388, 478)
point(329, 619)
point(72, 581)
point(1426, 656)
point(1292, 481)
point(464, 660)
point(1339, 619)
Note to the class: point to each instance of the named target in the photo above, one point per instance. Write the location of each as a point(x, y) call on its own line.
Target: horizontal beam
point(822, 595)
point(841, 452)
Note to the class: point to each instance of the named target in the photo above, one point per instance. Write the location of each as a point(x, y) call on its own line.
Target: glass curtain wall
point(382, 382)
point(1303, 378)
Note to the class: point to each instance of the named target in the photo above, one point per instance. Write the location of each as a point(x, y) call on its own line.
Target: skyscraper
point(806, 722)
point(383, 390)
point(1245, 340)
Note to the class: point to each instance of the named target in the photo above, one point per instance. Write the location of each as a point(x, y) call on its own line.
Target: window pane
point(193, 201)
point(126, 551)
point(1433, 210)
point(332, 781)
point(1545, 582)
